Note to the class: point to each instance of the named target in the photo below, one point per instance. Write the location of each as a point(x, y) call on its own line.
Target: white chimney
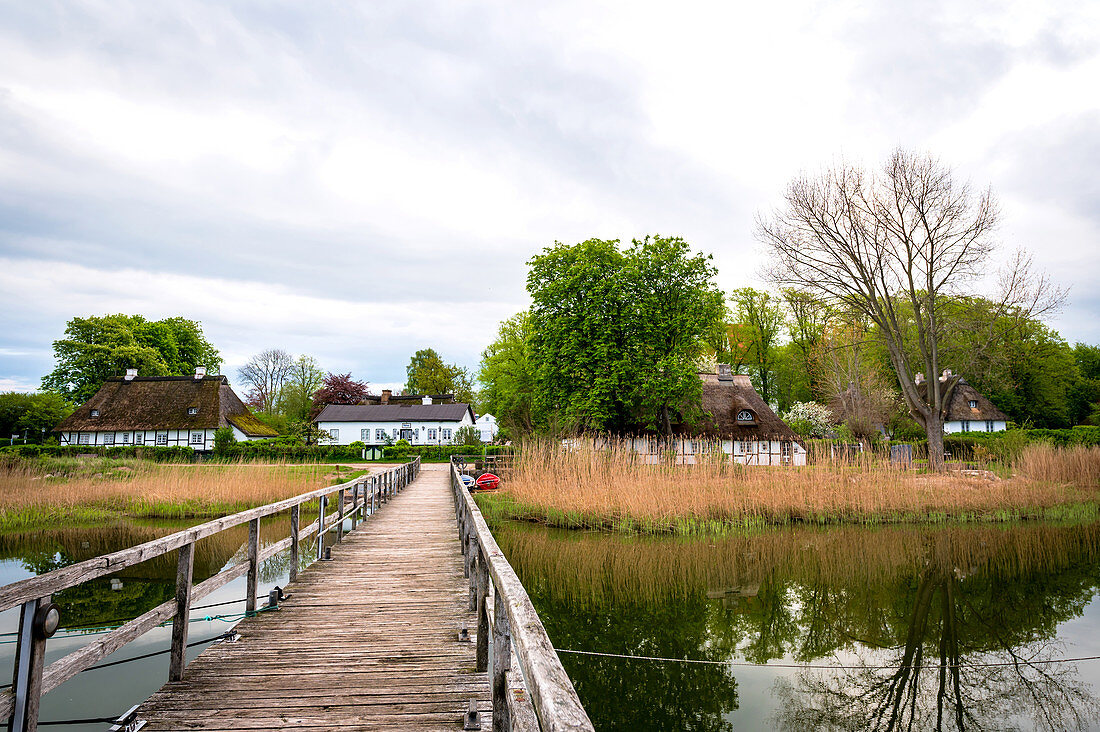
point(200, 371)
point(426, 400)
point(131, 374)
point(945, 375)
point(919, 379)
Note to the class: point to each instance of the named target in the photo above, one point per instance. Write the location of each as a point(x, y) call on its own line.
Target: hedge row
point(443, 452)
point(174, 454)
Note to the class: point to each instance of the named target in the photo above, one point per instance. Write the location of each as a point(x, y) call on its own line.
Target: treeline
point(615, 335)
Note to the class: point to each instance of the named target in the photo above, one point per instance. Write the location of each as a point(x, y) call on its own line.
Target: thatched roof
point(959, 395)
point(724, 399)
point(162, 402)
point(394, 413)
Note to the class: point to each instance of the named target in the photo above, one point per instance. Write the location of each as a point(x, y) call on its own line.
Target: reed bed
point(613, 488)
point(73, 492)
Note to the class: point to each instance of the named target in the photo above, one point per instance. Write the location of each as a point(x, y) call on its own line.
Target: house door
point(406, 434)
point(785, 453)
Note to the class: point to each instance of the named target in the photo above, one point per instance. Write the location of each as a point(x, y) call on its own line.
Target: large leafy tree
point(98, 347)
point(428, 374)
point(507, 376)
point(615, 335)
point(33, 415)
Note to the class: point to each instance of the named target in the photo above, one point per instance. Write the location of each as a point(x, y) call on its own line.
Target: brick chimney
point(386, 394)
point(725, 372)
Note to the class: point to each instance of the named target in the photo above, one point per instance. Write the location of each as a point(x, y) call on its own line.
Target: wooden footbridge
point(410, 624)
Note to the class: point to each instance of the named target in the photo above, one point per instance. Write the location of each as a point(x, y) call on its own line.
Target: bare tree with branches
point(264, 374)
point(898, 247)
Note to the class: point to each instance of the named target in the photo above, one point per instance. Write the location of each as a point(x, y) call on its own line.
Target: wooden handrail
point(32, 680)
point(515, 626)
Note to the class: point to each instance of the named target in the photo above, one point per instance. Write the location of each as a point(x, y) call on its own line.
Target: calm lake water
point(956, 627)
point(110, 691)
point(838, 628)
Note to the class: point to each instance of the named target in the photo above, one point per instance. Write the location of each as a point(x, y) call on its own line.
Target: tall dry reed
point(30, 495)
point(613, 487)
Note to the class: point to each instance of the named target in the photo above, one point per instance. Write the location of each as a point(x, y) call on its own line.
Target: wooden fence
point(39, 618)
point(538, 694)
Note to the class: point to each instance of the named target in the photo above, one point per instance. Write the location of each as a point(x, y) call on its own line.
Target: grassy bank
point(615, 490)
point(51, 492)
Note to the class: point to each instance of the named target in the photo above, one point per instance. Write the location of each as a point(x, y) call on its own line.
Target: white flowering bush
point(809, 419)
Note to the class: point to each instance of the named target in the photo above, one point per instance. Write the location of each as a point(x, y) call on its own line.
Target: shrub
point(223, 438)
point(809, 419)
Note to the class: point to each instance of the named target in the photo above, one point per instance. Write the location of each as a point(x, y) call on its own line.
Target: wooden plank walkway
point(366, 641)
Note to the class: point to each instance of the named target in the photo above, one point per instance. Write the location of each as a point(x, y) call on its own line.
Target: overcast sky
point(357, 181)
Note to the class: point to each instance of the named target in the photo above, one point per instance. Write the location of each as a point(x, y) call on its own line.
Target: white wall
point(748, 452)
point(352, 431)
point(487, 425)
point(975, 426)
point(148, 438)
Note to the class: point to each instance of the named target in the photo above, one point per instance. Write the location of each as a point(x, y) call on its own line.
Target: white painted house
point(161, 411)
point(487, 427)
point(966, 410)
point(384, 424)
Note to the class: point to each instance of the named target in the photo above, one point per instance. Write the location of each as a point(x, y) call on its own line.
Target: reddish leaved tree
point(338, 389)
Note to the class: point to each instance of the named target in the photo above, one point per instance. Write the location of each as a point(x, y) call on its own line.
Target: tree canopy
point(615, 335)
point(428, 374)
point(97, 348)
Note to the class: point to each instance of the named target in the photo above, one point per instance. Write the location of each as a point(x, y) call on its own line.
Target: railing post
point(482, 613)
point(321, 529)
point(502, 661)
point(184, 571)
point(473, 559)
point(29, 656)
point(295, 513)
point(354, 505)
point(253, 565)
point(340, 515)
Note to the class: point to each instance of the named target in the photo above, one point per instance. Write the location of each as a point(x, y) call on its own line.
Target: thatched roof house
point(738, 420)
point(965, 408)
point(161, 410)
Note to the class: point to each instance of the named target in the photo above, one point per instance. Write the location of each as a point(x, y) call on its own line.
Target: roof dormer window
point(745, 416)
point(973, 403)
point(95, 412)
point(192, 411)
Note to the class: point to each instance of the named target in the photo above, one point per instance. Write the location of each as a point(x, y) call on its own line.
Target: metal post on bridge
point(340, 515)
point(354, 505)
point(321, 529)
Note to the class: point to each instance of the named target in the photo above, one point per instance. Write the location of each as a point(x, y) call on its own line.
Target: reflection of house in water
point(735, 596)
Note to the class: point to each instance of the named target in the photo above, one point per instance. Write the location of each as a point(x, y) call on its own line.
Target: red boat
point(487, 482)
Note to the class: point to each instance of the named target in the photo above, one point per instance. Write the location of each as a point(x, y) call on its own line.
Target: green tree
point(507, 377)
point(97, 348)
point(762, 315)
point(32, 414)
point(304, 377)
point(1084, 393)
point(428, 374)
point(615, 335)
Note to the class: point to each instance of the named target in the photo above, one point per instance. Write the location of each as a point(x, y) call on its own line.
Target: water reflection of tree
point(646, 695)
point(972, 654)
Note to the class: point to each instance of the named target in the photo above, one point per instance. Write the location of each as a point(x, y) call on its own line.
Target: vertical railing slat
point(184, 572)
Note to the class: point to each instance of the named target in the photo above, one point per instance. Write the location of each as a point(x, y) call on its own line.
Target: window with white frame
point(989, 425)
point(396, 432)
point(744, 447)
point(139, 438)
point(162, 438)
point(95, 412)
point(745, 416)
point(973, 404)
point(966, 425)
point(125, 438)
point(196, 438)
point(334, 434)
point(108, 438)
point(364, 435)
point(785, 452)
point(379, 434)
point(431, 433)
point(192, 411)
point(446, 433)
point(764, 444)
point(83, 439)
